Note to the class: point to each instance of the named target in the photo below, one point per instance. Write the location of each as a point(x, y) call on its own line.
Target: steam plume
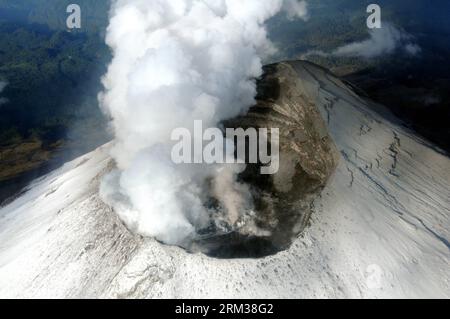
point(174, 62)
point(382, 41)
point(387, 40)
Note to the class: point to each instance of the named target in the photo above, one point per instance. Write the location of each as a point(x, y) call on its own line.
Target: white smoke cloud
point(296, 9)
point(174, 62)
point(3, 84)
point(413, 49)
point(382, 41)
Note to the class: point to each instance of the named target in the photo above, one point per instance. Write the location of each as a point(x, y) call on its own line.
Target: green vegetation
point(53, 78)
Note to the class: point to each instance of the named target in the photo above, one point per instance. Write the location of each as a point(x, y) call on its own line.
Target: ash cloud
point(175, 62)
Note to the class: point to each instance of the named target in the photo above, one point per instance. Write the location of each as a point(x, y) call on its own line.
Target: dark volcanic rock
point(308, 158)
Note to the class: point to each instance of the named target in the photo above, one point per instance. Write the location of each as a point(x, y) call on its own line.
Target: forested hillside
point(50, 79)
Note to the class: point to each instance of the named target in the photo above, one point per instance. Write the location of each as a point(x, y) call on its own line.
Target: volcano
point(376, 222)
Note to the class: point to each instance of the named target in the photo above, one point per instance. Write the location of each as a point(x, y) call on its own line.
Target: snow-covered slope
point(380, 229)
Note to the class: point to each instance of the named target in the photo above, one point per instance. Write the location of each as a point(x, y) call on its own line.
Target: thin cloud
point(296, 9)
point(3, 100)
point(386, 40)
point(413, 49)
